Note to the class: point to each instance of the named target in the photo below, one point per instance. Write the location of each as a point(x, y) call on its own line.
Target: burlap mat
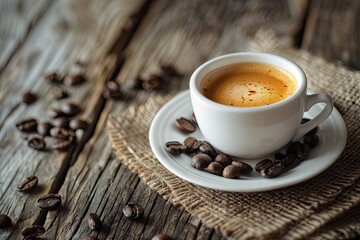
point(325, 207)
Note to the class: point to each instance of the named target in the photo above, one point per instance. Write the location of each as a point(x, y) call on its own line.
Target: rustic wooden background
point(119, 40)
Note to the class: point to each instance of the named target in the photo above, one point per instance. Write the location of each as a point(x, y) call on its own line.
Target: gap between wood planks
point(121, 44)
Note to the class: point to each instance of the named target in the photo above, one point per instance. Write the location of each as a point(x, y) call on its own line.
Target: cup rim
point(301, 87)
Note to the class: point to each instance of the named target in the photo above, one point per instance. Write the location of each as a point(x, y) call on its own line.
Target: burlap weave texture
point(325, 207)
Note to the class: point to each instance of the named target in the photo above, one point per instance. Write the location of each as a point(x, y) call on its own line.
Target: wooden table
point(121, 40)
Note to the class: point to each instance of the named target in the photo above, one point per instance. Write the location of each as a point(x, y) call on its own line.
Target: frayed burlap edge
point(311, 209)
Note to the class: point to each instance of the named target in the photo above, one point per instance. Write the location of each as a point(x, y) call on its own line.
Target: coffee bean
point(161, 236)
point(28, 98)
point(113, 86)
point(273, 169)
point(136, 83)
point(200, 161)
point(300, 154)
point(112, 90)
point(72, 139)
point(231, 171)
point(244, 167)
point(36, 142)
point(77, 123)
point(133, 211)
point(73, 80)
point(299, 150)
point(112, 95)
point(44, 129)
point(70, 109)
point(62, 133)
point(192, 145)
point(5, 221)
point(56, 113)
point(169, 70)
point(59, 93)
point(208, 149)
point(94, 221)
point(312, 140)
point(90, 238)
point(262, 164)
point(293, 147)
point(279, 156)
point(152, 83)
point(49, 202)
point(215, 168)
point(27, 125)
point(289, 159)
point(62, 145)
point(32, 232)
point(61, 122)
point(27, 184)
point(174, 148)
point(185, 125)
point(79, 133)
point(54, 78)
point(312, 131)
point(223, 159)
point(306, 149)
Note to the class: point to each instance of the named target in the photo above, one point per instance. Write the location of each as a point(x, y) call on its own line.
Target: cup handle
point(310, 101)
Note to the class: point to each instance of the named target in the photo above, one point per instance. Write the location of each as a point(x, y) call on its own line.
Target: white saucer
point(332, 133)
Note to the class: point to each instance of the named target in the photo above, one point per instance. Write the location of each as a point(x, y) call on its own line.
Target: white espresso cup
point(255, 132)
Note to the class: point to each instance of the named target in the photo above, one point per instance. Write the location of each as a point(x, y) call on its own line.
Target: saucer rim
point(197, 177)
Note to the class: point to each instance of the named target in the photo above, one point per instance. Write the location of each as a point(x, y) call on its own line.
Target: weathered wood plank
point(332, 31)
point(184, 33)
point(66, 33)
point(17, 19)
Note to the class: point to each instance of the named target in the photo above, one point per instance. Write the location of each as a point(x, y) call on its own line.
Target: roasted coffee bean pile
point(64, 122)
point(205, 157)
point(295, 153)
point(155, 81)
point(63, 128)
point(59, 128)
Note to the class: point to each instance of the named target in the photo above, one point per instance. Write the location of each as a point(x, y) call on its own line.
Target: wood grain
point(17, 20)
point(67, 32)
point(110, 39)
point(184, 33)
point(332, 31)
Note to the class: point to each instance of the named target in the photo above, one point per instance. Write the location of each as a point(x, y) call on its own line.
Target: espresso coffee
point(248, 84)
